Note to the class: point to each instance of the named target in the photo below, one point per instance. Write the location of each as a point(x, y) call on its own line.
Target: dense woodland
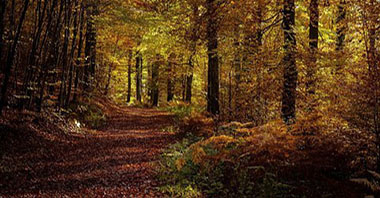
point(266, 94)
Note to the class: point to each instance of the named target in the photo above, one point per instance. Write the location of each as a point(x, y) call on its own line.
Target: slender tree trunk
point(130, 55)
point(72, 62)
point(341, 31)
point(342, 25)
point(213, 62)
point(183, 78)
point(313, 45)
point(3, 5)
point(33, 56)
point(79, 67)
point(170, 83)
point(189, 80)
point(62, 92)
point(290, 69)
point(49, 59)
point(10, 58)
point(155, 79)
point(90, 51)
point(193, 45)
point(138, 76)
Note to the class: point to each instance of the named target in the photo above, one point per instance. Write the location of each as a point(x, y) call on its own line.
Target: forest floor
point(116, 160)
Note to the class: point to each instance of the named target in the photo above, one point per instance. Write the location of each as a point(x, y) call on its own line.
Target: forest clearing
point(190, 98)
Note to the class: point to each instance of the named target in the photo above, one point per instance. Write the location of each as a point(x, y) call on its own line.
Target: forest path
point(113, 161)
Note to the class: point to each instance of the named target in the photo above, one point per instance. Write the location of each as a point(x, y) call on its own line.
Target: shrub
point(88, 113)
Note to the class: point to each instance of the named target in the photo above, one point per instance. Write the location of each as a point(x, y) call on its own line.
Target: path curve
point(113, 161)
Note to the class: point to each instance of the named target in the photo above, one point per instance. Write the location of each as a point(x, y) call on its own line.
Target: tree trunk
point(170, 84)
point(79, 68)
point(341, 31)
point(10, 58)
point(90, 51)
point(189, 81)
point(155, 79)
point(73, 44)
point(62, 91)
point(138, 76)
point(130, 55)
point(3, 5)
point(33, 60)
point(288, 109)
point(53, 36)
point(313, 45)
point(213, 62)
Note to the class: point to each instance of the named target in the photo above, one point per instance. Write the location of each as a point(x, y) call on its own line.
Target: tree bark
point(130, 55)
point(73, 46)
point(341, 32)
point(313, 45)
point(10, 58)
point(170, 84)
point(189, 81)
point(138, 76)
point(62, 92)
point(288, 109)
point(90, 50)
point(155, 79)
point(213, 62)
point(79, 68)
point(3, 5)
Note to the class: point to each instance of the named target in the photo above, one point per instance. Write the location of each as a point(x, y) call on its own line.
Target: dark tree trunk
point(53, 37)
point(90, 51)
point(72, 62)
point(193, 45)
point(33, 60)
point(3, 4)
point(130, 55)
point(342, 25)
point(62, 91)
point(10, 58)
point(138, 76)
point(79, 68)
point(341, 31)
point(183, 78)
point(213, 62)
point(189, 81)
point(155, 84)
point(170, 85)
point(290, 69)
point(313, 45)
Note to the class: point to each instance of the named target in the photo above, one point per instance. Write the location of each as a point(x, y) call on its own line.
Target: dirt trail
point(114, 161)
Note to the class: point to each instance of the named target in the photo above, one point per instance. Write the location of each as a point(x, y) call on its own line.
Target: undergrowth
point(181, 109)
point(272, 160)
point(88, 113)
point(199, 164)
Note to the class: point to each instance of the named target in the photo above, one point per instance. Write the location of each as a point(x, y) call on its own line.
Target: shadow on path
point(113, 161)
